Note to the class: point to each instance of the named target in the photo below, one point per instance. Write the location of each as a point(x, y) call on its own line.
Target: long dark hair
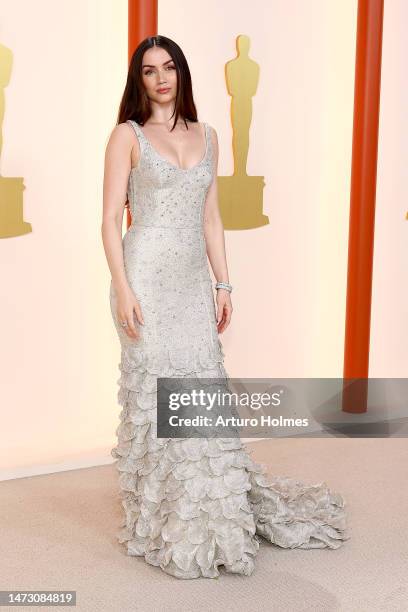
point(136, 105)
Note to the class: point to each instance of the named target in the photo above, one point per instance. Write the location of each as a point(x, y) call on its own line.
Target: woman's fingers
point(127, 323)
point(225, 312)
point(138, 312)
point(131, 328)
point(129, 313)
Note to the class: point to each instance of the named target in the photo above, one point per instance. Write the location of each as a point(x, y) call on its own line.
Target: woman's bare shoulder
point(123, 137)
point(123, 131)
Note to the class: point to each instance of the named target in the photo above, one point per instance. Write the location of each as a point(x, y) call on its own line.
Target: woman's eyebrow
point(153, 66)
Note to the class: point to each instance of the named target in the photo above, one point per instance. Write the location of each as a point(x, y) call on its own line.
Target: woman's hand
point(224, 309)
point(128, 305)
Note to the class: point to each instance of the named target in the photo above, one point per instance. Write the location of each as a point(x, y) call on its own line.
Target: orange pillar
point(362, 201)
point(142, 22)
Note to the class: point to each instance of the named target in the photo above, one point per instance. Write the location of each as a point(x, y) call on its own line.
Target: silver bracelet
point(222, 285)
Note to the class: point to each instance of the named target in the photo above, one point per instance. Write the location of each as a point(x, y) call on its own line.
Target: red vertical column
point(362, 200)
point(142, 22)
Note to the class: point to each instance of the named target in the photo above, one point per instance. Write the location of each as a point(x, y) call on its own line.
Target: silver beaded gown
point(192, 505)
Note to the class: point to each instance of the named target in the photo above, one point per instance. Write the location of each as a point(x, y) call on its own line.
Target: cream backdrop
point(59, 355)
point(389, 318)
point(60, 352)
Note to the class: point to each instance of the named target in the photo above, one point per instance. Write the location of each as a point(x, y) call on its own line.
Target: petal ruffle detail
point(192, 505)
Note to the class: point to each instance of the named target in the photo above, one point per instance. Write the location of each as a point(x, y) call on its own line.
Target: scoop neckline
point(176, 167)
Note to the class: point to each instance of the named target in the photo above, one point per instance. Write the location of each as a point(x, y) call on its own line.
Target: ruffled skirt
point(193, 505)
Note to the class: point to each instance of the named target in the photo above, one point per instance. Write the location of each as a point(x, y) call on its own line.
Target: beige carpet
point(58, 532)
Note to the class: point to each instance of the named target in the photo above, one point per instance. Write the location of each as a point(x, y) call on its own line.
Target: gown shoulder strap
point(139, 133)
point(136, 127)
point(208, 139)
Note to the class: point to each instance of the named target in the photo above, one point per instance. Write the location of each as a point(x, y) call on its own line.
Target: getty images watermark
point(270, 407)
point(213, 401)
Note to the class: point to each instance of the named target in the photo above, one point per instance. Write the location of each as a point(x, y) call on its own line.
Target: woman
point(192, 504)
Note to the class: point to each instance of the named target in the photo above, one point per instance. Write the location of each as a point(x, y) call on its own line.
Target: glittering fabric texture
point(192, 505)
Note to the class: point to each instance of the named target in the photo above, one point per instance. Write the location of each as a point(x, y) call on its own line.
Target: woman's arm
point(118, 162)
point(215, 243)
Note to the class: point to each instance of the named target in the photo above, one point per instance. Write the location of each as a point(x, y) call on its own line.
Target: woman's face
point(159, 72)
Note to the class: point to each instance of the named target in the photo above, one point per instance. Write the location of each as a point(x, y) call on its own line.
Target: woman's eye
point(167, 68)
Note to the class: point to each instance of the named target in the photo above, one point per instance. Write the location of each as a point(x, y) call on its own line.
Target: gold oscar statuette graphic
point(241, 196)
point(11, 188)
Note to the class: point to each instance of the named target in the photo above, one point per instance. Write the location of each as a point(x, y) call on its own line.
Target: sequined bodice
point(163, 195)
